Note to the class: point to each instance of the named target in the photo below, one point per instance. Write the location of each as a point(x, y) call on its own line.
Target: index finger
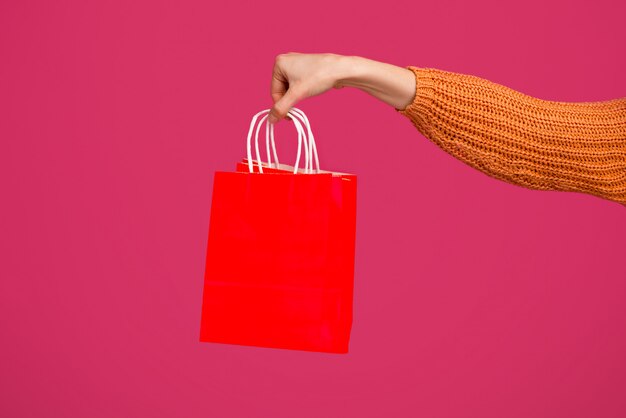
point(279, 85)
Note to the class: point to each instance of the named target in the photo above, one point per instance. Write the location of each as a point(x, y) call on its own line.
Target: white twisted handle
point(269, 128)
point(310, 149)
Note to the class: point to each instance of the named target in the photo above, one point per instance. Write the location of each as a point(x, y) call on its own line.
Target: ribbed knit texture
point(523, 140)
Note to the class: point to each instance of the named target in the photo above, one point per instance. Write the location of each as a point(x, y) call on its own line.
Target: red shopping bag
point(280, 259)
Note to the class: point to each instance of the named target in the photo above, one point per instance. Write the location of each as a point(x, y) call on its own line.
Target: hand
point(299, 76)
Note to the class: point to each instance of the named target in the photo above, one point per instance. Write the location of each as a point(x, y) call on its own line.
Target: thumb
point(282, 106)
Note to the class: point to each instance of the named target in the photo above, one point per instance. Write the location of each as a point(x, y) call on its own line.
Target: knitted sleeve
point(523, 140)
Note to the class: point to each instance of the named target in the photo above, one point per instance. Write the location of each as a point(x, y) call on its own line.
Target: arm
point(534, 143)
point(298, 76)
point(523, 140)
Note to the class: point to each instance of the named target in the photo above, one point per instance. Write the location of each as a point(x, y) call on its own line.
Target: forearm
point(511, 136)
point(389, 83)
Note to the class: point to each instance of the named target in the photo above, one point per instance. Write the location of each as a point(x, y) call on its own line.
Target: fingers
point(284, 104)
point(280, 84)
point(279, 88)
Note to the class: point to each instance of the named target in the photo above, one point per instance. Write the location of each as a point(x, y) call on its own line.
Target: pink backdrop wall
point(473, 297)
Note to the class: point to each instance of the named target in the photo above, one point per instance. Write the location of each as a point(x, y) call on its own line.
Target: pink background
point(473, 297)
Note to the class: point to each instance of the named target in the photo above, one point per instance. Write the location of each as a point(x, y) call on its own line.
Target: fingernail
point(272, 119)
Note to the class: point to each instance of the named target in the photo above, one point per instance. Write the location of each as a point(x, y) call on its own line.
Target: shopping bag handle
point(294, 112)
point(310, 149)
point(256, 141)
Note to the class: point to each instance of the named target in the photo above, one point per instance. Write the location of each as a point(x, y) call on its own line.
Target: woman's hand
point(299, 76)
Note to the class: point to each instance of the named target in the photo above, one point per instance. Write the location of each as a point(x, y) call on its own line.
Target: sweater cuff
point(424, 92)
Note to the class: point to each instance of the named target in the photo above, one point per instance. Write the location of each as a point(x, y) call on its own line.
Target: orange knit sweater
point(523, 140)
